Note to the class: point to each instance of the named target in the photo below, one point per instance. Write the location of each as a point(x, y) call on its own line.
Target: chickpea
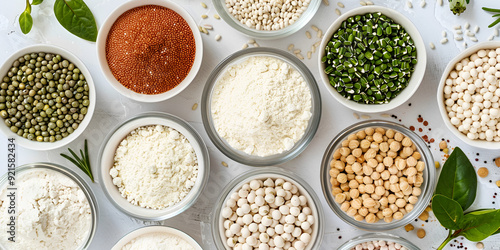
point(336, 154)
point(342, 178)
point(412, 162)
point(345, 206)
point(344, 186)
point(406, 142)
point(384, 201)
point(367, 170)
point(369, 202)
point(361, 188)
point(400, 202)
point(416, 191)
point(356, 203)
point(380, 215)
point(370, 154)
point(348, 169)
point(420, 166)
point(360, 135)
point(353, 184)
point(345, 143)
point(369, 131)
point(371, 218)
point(398, 136)
point(387, 212)
point(384, 147)
point(359, 178)
point(391, 198)
point(365, 144)
point(357, 152)
point(351, 211)
point(408, 208)
point(356, 167)
point(370, 188)
point(334, 182)
point(340, 198)
point(340, 165)
point(353, 144)
point(407, 151)
point(395, 146)
point(401, 164)
point(367, 180)
point(336, 191)
point(354, 193)
point(412, 199)
point(375, 176)
point(392, 154)
point(398, 215)
point(380, 168)
point(350, 159)
point(359, 217)
point(390, 133)
point(345, 151)
point(385, 175)
point(377, 137)
point(416, 155)
point(372, 163)
point(352, 137)
point(379, 190)
point(363, 211)
point(421, 233)
point(388, 219)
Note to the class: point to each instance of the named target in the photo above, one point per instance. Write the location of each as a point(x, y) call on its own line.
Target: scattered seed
point(459, 38)
point(423, 3)
point(297, 51)
point(436, 163)
point(444, 33)
point(208, 26)
point(317, 43)
point(309, 54)
point(355, 115)
point(200, 28)
point(482, 172)
point(216, 16)
point(224, 164)
point(326, 2)
point(203, 5)
point(443, 145)
point(457, 27)
point(341, 5)
point(495, 32)
point(290, 47)
point(319, 34)
point(369, 3)
point(409, 4)
point(479, 245)
point(440, 2)
point(195, 106)
point(490, 38)
point(459, 32)
point(446, 150)
point(313, 49)
point(337, 11)
point(204, 16)
point(497, 162)
point(204, 30)
point(466, 25)
point(366, 117)
point(314, 28)
point(251, 41)
point(424, 216)
point(217, 37)
point(464, 44)
point(473, 39)
point(385, 115)
point(244, 46)
point(421, 233)
point(308, 34)
point(498, 183)
point(470, 34)
point(476, 29)
point(428, 209)
point(444, 40)
point(431, 44)
point(362, 3)
point(298, 55)
point(409, 227)
point(256, 44)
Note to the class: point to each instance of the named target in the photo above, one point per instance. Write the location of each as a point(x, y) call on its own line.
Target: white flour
point(53, 212)
point(155, 167)
point(261, 106)
point(158, 241)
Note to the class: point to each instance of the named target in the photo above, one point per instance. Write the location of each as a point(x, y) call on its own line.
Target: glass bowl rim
point(377, 236)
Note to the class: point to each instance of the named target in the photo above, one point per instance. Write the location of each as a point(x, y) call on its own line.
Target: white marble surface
point(113, 108)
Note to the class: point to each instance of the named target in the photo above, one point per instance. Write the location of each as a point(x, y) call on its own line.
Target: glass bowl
point(241, 156)
point(36, 145)
point(427, 186)
point(350, 244)
point(415, 79)
point(264, 173)
point(221, 8)
point(71, 175)
point(103, 63)
point(106, 160)
point(155, 229)
point(493, 145)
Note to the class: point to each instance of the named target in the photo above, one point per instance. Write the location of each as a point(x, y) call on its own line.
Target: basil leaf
point(458, 179)
point(448, 212)
point(25, 22)
point(36, 2)
point(478, 225)
point(76, 17)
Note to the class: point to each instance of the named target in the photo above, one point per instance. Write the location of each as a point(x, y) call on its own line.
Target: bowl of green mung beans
point(47, 97)
point(372, 59)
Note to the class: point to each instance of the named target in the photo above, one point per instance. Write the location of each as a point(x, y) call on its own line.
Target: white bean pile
point(472, 95)
point(267, 14)
point(379, 245)
point(268, 214)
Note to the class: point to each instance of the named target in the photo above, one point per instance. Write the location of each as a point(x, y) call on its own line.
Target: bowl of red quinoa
point(149, 51)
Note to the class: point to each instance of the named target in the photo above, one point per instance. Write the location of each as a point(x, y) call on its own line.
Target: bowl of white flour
point(261, 106)
point(54, 209)
point(153, 166)
point(157, 237)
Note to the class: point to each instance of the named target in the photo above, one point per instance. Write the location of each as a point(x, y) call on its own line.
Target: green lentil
point(37, 97)
point(370, 59)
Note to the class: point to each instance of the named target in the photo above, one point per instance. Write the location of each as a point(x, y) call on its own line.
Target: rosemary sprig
point(495, 16)
point(82, 163)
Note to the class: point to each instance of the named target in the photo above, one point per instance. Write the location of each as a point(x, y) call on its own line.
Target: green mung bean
point(370, 58)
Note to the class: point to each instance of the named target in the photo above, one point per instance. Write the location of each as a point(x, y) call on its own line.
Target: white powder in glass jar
point(261, 106)
point(158, 241)
point(52, 212)
point(154, 167)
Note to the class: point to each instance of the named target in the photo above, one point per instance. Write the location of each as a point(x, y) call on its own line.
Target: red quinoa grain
point(150, 49)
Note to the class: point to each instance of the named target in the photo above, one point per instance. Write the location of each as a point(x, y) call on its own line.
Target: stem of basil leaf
point(448, 239)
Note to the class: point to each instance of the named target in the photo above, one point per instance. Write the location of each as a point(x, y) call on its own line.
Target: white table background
point(112, 109)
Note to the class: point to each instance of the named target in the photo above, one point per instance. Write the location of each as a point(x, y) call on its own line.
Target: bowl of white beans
point(265, 19)
point(266, 208)
point(377, 175)
point(468, 95)
point(378, 241)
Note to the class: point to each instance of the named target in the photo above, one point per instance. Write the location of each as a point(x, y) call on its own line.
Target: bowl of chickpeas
point(377, 175)
point(267, 208)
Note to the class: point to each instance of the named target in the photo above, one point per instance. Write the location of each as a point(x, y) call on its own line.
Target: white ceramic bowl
point(415, 79)
point(155, 229)
point(440, 96)
point(101, 50)
point(106, 160)
point(35, 145)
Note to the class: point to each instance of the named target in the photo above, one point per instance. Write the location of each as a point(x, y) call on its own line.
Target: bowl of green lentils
point(47, 97)
point(372, 59)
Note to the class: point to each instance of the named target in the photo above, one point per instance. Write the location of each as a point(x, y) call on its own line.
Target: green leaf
point(83, 163)
point(458, 180)
point(448, 212)
point(36, 2)
point(76, 17)
point(26, 22)
point(491, 9)
point(494, 23)
point(478, 225)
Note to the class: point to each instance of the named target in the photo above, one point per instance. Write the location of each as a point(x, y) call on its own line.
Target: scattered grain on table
point(482, 172)
point(436, 163)
point(424, 216)
point(195, 106)
point(224, 164)
point(409, 227)
point(421, 233)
